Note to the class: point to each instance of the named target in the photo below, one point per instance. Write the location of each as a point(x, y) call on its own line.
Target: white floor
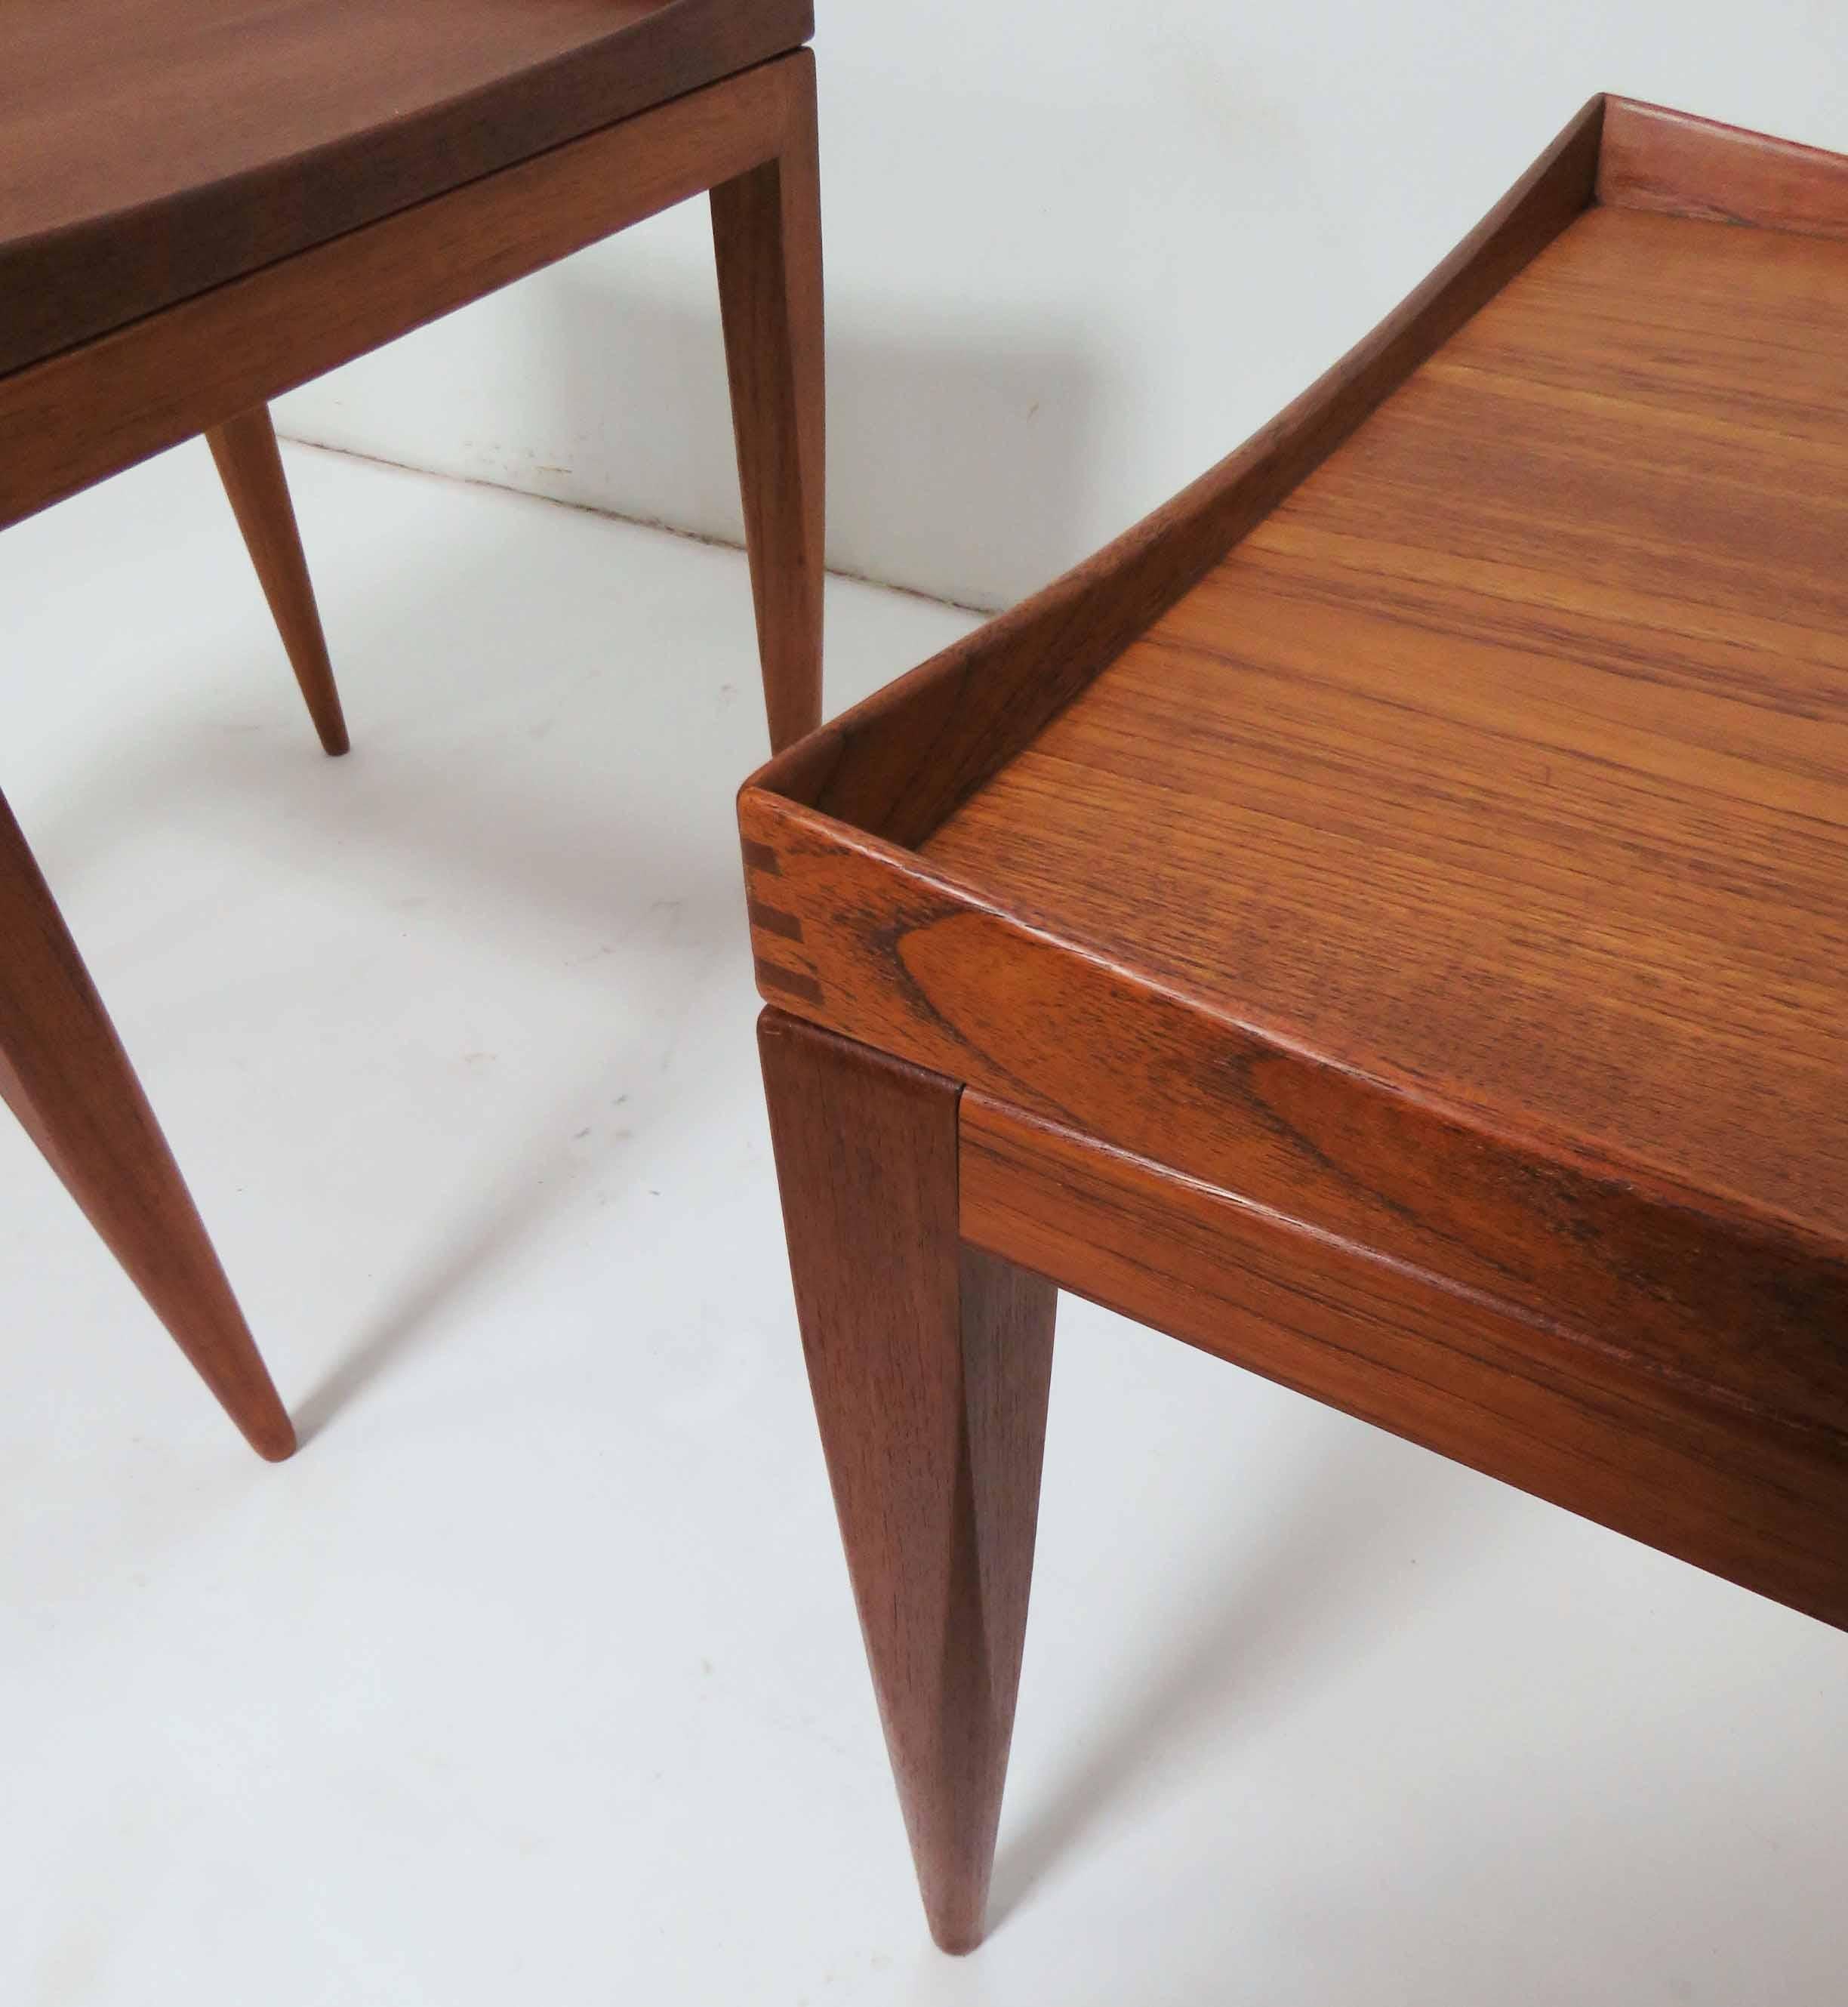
point(534, 1677)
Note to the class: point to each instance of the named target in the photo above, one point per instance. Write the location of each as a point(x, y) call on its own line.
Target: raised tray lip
point(899, 762)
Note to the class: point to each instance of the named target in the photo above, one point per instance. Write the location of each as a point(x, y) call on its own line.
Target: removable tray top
point(1433, 825)
point(1508, 759)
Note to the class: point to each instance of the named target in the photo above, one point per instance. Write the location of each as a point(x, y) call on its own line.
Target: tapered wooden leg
point(251, 468)
point(766, 230)
point(930, 1363)
point(63, 1074)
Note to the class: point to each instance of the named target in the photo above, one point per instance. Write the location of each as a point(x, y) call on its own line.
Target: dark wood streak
point(773, 920)
point(789, 982)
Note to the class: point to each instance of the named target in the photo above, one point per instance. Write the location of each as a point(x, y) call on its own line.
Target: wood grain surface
point(1734, 1489)
point(930, 1364)
point(150, 150)
point(96, 409)
point(1506, 763)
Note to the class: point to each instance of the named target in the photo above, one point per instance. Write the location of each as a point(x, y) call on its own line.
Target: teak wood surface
point(205, 202)
point(1387, 916)
point(154, 149)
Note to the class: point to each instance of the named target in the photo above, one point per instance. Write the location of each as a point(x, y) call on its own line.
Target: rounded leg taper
point(64, 1075)
point(767, 234)
point(251, 468)
point(930, 1363)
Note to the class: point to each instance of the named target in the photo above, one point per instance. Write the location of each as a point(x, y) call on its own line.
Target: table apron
point(1739, 1493)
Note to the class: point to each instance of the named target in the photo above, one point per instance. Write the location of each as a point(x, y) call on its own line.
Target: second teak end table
point(206, 203)
point(1384, 921)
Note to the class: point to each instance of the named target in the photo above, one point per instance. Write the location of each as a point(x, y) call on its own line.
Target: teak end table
point(1383, 920)
point(204, 203)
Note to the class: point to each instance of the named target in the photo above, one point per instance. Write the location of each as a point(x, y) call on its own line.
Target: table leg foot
point(251, 468)
point(929, 1362)
point(64, 1074)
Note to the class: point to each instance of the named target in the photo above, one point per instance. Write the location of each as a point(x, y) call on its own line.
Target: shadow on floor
point(1258, 1636)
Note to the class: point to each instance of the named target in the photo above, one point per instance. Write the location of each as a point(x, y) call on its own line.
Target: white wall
point(1075, 251)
